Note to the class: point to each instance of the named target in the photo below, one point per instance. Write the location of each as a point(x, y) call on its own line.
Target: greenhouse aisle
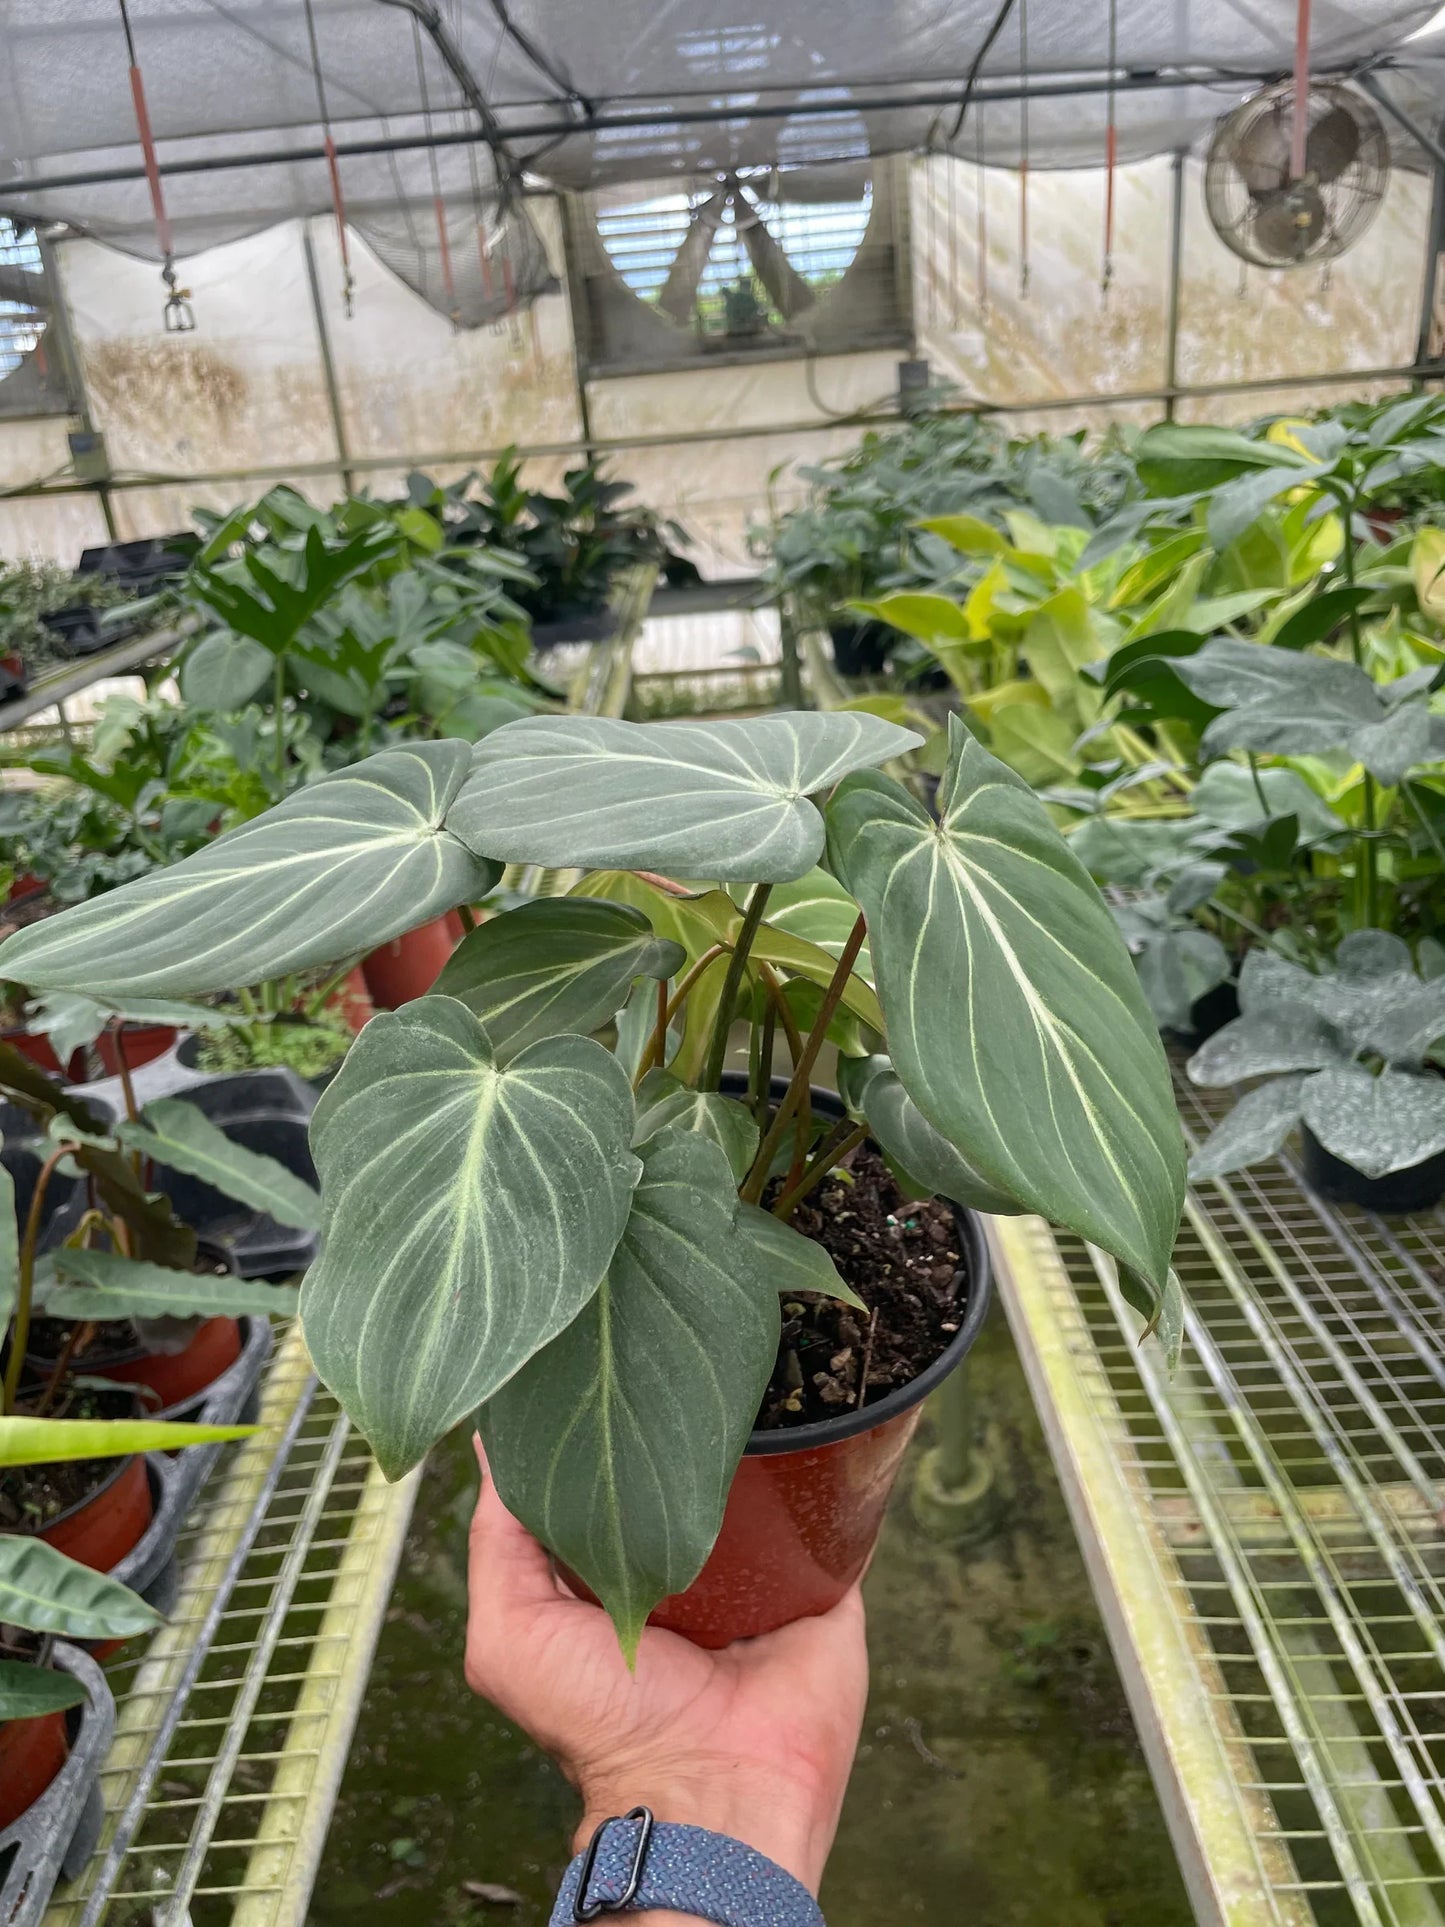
point(999, 1761)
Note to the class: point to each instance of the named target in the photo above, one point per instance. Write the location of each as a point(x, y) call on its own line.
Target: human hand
point(755, 1741)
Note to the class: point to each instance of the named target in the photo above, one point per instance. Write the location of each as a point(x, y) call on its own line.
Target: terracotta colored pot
point(38, 1050)
point(141, 1045)
point(24, 885)
point(807, 1503)
point(354, 1000)
point(101, 1529)
point(32, 1752)
point(408, 966)
point(179, 1378)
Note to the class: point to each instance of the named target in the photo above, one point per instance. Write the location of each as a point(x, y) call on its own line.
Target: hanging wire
point(439, 209)
point(953, 297)
point(484, 240)
point(978, 143)
point(1111, 152)
point(178, 315)
point(338, 203)
point(1024, 147)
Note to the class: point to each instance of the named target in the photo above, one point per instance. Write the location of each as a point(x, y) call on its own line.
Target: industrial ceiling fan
point(1296, 177)
point(732, 202)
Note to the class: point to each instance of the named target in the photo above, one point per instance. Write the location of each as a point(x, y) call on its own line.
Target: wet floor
point(999, 1783)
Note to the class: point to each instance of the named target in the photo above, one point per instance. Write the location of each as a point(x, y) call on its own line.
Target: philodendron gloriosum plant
point(566, 1237)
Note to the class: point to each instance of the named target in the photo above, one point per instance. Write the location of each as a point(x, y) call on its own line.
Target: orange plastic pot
point(806, 1504)
point(408, 966)
point(141, 1046)
point(179, 1378)
point(101, 1529)
point(32, 1752)
point(354, 1001)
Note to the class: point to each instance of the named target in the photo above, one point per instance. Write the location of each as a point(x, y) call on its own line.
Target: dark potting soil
point(32, 1495)
point(902, 1258)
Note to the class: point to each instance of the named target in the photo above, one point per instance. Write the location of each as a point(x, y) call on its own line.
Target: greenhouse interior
point(722, 978)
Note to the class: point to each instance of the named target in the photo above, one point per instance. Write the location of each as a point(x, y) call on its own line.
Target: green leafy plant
point(45, 1593)
point(567, 1238)
point(32, 588)
point(1349, 1052)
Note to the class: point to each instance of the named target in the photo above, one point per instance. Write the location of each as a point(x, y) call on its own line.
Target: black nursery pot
point(1209, 1013)
point(859, 648)
point(1417, 1188)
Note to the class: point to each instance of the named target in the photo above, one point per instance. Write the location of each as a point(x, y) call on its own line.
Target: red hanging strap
point(1299, 127)
point(445, 248)
point(152, 165)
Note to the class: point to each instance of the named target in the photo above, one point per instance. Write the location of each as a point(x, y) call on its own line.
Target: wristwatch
point(635, 1863)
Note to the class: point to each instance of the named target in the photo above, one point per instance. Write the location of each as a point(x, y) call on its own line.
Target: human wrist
point(785, 1820)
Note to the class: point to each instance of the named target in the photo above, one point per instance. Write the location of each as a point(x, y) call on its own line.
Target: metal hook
point(178, 314)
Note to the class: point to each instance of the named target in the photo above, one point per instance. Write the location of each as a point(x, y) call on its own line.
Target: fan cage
point(1333, 215)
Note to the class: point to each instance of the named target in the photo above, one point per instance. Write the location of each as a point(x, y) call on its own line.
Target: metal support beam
point(1176, 262)
point(328, 364)
point(60, 329)
point(668, 112)
point(1435, 246)
point(1375, 88)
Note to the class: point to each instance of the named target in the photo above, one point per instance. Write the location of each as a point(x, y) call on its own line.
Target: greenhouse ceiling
point(264, 109)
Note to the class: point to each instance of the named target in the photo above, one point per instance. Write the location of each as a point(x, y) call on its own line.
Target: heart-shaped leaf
point(871, 1087)
point(28, 1691)
point(662, 1101)
point(1262, 1042)
point(46, 1592)
point(726, 800)
point(560, 964)
point(1015, 1019)
point(338, 868)
point(179, 1135)
point(1376, 1124)
point(470, 1210)
point(617, 1443)
point(110, 1286)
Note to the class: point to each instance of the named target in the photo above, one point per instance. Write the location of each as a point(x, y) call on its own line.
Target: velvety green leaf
point(44, 1591)
point(792, 1262)
point(1408, 1025)
point(1040, 744)
point(1267, 981)
point(1376, 1124)
point(561, 964)
point(1253, 1131)
point(1392, 747)
point(471, 1211)
point(1257, 685)
point(662, 1101)
point(1262, 1042)
point(966, 533)
point(616, 1444)
point(48, 1441)
point(28, 1691)
point(1177, 967)
point(726, 800)
point(342, 866)
point(225, 670)
point(871, 1088)
point(106, 1285)
point(177, 1134)
point(1015, 1019)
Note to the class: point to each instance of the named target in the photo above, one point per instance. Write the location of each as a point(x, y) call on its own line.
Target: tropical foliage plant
point(539, 1205)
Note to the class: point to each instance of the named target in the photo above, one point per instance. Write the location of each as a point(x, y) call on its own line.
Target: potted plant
point(129, 1293)
point(517, 1227)
point(47, 1596)
point(1350, 1058)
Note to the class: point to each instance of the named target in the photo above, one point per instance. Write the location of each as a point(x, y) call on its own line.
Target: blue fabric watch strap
point(635, 1863)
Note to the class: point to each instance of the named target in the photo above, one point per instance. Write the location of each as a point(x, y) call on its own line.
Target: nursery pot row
point(807, 1502)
